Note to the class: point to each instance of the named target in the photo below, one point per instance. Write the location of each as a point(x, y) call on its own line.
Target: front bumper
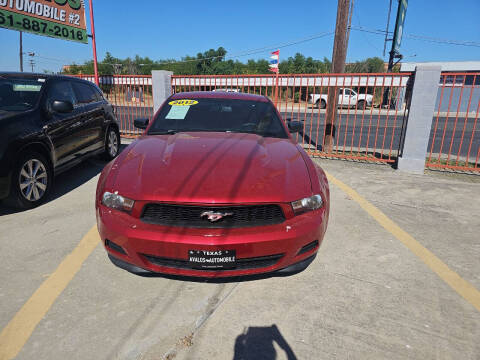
point(147, 248)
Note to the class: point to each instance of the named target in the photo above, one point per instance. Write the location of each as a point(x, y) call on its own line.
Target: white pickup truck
point(346, 97)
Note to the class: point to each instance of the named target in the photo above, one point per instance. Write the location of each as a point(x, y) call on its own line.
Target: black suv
point(49, 123)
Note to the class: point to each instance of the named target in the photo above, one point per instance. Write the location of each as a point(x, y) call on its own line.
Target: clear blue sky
point(166, 29)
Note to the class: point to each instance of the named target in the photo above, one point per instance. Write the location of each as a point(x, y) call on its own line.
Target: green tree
point(214, 62)
point(370, 65)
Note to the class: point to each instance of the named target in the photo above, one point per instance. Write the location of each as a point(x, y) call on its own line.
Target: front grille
point(241, 264)
point(190, 216)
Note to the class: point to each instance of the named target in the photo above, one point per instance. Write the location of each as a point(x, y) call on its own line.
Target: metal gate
point(455, 139)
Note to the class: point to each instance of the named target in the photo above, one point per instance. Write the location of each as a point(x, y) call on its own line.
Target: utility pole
point(31, 61)
point(21, 52)
point(338, 66)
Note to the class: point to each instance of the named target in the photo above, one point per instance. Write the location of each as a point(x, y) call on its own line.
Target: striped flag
point(274, 62)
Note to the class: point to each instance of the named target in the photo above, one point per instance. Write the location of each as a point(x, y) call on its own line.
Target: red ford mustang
point(215, 187)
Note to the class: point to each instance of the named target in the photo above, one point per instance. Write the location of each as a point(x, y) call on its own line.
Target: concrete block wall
point(422, 107)
point(161, 87)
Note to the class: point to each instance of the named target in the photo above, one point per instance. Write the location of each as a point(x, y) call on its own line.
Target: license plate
point(207, 259)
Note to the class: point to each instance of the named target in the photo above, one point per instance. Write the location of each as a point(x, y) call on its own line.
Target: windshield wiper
point(163, 132)
point(259, 133)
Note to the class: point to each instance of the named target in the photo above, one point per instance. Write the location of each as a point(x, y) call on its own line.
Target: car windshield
point(17, 94)
point(218, 115)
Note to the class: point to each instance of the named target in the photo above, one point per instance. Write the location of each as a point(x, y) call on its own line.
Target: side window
point(98, 94)
point(348, 92)
point(61, 91)
point(85, 93)
point(269, 122)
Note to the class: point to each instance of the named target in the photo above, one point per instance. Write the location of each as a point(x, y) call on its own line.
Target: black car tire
point(112, 144)
point(34, 194)
point(321, 104)
point(361, 105)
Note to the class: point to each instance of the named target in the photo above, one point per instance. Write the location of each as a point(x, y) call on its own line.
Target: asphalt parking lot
point(397, 277)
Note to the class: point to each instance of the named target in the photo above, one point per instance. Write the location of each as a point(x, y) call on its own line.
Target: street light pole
point(94, 45)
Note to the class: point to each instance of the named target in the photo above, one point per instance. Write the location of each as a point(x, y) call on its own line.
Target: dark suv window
point(98, 94)
point(62, 91)
point(17, 94)
point(85, 93)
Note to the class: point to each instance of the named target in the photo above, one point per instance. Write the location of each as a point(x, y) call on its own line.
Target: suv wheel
point(112, 143)
point(31, 181)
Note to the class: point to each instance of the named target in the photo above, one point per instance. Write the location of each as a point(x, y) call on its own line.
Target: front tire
point(112, 144)
point(361, 105)
point(321, 104)
point(31, 181)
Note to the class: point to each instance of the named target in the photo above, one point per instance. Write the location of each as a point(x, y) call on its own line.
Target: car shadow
point(257, 342)
point(69, 180)
point(304, 138)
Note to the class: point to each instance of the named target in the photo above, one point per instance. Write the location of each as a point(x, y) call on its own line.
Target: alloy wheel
point(112, 144)
point(33, 180)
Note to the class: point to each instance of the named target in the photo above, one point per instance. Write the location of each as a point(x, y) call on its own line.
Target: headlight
point(115, 201)
point(307, 204)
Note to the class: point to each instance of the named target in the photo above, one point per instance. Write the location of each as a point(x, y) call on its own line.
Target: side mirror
point(62, 106)
point(141, 123)
point(295, 126)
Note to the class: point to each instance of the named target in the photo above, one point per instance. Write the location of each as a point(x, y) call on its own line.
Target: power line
point(240, 54)
point(237, 55)
point(52, 59)
point(274, 47)
point(419, 37)
point(252, 51)
point(443, 41)
point(366, 39)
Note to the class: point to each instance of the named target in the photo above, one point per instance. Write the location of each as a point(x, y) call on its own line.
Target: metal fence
point(371, 108)
point(131, 96)
point(455, 137)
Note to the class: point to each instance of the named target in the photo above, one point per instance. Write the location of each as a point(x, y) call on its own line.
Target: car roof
point(28, 75)
point(219, 95)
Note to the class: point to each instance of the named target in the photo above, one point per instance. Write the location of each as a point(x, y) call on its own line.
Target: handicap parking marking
point(455, 281)
point(17, 332)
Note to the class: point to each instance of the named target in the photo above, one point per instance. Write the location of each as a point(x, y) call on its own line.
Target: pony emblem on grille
point(213, 216)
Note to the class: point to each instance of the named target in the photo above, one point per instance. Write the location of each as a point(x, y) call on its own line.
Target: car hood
point(201, 167)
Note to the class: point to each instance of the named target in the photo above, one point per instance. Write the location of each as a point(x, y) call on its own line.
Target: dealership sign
point(64, 19)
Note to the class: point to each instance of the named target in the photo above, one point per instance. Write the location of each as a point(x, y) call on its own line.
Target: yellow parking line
point(14, 336)
point(461, 286)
